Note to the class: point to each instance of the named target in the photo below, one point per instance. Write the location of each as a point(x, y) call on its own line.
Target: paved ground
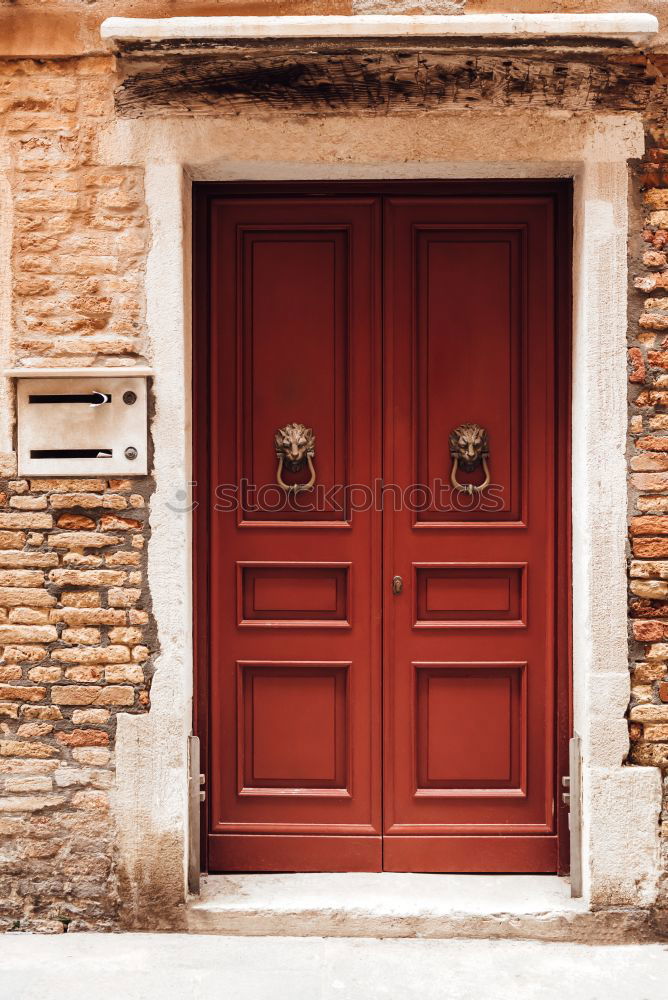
point(205, 967)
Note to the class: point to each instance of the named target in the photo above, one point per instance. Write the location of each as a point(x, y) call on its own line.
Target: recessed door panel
point(284, 595)
point(293, 347)
point(293, 726)
point(469, 320)
point(452, 751)
point(486, 595)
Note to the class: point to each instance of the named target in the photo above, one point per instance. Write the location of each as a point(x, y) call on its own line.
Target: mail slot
point(95, 398)
point(87, 425)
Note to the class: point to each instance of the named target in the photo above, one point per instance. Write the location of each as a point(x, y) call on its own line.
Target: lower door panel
point(270, 853)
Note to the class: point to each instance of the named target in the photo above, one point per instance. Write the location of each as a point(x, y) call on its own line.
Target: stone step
point(537, 907)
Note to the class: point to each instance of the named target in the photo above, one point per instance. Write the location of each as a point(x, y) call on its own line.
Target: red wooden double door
point(383, 669)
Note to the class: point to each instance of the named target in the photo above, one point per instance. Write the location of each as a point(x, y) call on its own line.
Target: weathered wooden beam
point(379, 78)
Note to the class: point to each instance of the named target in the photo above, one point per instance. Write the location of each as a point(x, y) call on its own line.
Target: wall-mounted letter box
point(84, 425)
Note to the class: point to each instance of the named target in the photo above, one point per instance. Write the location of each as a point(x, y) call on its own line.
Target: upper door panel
point(470, 329)
point(301, 290)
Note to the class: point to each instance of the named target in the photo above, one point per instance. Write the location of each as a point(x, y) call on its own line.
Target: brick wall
point(648, 378)
point(80, 231)
point(75, 633)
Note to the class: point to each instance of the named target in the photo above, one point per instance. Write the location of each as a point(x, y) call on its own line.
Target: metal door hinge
point(565, 796)
point(195, 799)
point(572, 799)
point(202, 794)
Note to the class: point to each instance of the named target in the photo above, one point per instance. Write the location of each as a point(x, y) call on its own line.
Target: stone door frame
point(620, 804)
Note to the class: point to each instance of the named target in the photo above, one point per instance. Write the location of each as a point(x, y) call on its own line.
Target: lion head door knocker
point(295, 448)
point(469, 448)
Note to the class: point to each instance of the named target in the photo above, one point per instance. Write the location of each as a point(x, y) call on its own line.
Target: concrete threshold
point(537, 907)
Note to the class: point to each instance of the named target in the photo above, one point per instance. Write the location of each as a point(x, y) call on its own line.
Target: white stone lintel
point(127, 371)
point(634, 28)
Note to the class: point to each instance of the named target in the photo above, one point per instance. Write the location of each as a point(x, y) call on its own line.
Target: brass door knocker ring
point(295, 447)
point(469, 448)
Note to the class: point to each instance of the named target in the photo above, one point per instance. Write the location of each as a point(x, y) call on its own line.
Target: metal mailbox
point(83, 425)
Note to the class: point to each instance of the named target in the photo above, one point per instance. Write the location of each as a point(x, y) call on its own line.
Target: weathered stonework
point(80, 233)
point(648, 463)
point(75, 629)
point(76, 637)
